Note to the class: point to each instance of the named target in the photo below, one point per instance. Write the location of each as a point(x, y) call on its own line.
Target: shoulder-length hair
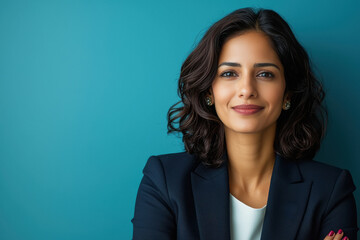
point(299, 130)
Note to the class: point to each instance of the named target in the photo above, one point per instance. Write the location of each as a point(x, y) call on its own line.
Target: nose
point(247, 87)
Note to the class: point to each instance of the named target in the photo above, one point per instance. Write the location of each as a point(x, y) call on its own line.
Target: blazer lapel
point(210, 188)
point(287, 201)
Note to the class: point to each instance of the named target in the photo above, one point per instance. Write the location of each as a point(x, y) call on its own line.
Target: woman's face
point(249, 73)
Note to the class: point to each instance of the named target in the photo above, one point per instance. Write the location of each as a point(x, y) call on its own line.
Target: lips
point(247, 109)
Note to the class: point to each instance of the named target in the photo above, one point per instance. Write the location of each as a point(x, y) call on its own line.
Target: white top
point(245, 222)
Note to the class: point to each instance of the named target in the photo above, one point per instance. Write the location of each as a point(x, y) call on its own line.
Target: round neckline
point(255, 209)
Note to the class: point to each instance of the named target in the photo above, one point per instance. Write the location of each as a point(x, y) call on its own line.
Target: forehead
point(251, 46)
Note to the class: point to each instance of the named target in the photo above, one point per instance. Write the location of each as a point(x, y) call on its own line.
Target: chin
point(250, 127)
point(247, 131)
point(244, 129)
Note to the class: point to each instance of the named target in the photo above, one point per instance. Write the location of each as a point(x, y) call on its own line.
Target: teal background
point(84, 91)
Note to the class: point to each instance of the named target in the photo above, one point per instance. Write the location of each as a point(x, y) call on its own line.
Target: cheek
point(222, 92)
point(275, 97)
point(222, 96)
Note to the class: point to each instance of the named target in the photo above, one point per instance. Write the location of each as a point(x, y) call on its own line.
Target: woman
point(252, 120)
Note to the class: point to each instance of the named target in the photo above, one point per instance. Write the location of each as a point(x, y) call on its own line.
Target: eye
point(228, 74)
point(266, 75)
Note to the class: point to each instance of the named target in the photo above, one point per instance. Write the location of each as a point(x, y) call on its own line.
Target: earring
point(208, 101)
point(287, 105)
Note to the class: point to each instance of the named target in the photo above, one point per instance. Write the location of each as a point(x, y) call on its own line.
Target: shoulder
point(179, 162)
point(170, 166)
point(316, 171)
point(332, 196)
point(326, 177)
point(171, 175)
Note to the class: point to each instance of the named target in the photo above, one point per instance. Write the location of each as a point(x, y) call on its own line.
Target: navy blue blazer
point(180, 198)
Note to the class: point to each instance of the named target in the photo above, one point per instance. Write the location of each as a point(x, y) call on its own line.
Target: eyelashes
point(267, 74)
point(228, 74)
point(233, 74)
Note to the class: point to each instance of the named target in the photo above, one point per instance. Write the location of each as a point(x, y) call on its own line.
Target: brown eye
point(266, 75)
point(228, 74)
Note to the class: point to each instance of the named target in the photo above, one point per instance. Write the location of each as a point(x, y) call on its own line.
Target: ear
point(287, 96)
point(211, 94)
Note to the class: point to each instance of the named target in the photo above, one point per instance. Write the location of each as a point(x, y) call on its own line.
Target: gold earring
point(208, 101)
point(287, 105)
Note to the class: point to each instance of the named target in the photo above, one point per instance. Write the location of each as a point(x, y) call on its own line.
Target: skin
point(336, 236)
point(250, 138)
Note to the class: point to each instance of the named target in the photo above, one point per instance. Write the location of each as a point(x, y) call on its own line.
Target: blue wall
point(84, 91)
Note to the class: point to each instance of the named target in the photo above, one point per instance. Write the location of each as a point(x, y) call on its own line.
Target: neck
point(251, 157)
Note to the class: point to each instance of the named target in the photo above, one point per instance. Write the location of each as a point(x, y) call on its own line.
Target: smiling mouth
point(247, 109)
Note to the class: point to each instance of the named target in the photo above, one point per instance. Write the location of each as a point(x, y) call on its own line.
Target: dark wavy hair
point(299, 130)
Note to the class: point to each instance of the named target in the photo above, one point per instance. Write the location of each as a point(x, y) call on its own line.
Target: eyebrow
point(234, 64)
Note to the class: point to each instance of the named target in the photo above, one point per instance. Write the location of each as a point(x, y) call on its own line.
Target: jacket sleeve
point(153, 218)
point(341, 211)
